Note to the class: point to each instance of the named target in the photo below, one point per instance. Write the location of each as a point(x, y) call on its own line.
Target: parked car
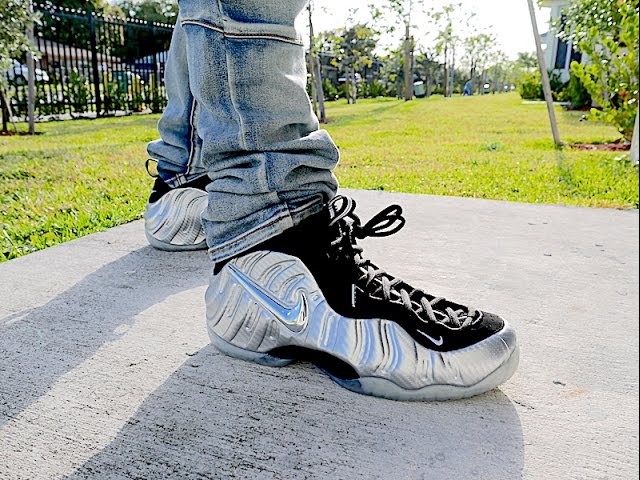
point(19, 73)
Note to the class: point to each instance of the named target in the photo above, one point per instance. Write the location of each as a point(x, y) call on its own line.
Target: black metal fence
point(92, 64)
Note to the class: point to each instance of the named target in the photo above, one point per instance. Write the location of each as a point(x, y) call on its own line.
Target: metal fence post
point(94, 62)
point(154, 88)
point(4, 111)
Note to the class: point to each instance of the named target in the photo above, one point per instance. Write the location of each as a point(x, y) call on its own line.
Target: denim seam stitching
point(192, 135)
point(217, 28)
point(305, 206)
point(285, 214)
point(234, 102)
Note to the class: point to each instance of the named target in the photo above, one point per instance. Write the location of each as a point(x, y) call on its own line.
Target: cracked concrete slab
point(106, 370)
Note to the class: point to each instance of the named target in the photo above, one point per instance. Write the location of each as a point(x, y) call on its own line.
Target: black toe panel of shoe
point(160, 188)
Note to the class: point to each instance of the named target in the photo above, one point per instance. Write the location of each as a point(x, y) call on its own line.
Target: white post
point(634, 141)
point(312, 67)
point(546, 86)
point(31, 80)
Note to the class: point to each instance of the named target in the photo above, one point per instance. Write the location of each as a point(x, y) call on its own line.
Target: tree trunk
point(408, 71)
point(446, 71)
point(453, 70)
point(311, 66)
point(354, 86)
point(319, 91)
point(314, 86)
point(472, 75)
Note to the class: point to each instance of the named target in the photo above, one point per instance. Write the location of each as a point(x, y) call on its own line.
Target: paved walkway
point(106, 370)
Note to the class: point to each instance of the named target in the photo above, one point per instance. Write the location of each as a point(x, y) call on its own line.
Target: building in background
point(558, 53)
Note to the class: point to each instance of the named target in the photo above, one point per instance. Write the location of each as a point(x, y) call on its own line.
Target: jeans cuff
point(283, 217)
point(176, 181)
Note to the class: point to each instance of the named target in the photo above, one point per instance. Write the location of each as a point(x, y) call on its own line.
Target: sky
point(508, 20)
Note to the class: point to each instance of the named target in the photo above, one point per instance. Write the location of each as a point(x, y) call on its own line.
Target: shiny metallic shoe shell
point(246, 319)
point(173, 222)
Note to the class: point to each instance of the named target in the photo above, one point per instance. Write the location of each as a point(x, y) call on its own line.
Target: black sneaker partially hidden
point(172, 216)
point(310, 294)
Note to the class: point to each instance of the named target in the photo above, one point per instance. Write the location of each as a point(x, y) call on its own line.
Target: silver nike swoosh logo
point(437, 343)
point(295, 318)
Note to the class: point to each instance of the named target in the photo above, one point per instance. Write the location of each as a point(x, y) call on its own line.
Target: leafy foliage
point(95, 5)
point(447, 40)
point(352, 49)
point(161, 11)
point(14, 18)
point(73, 29)
point(530, 87)
point(79, 91)
point(479, 49)
point(576, 94)
point(15, 15)
point(607, 31)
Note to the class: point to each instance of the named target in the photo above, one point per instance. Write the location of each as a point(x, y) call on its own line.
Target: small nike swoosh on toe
point(295, 318)
point(437, 343)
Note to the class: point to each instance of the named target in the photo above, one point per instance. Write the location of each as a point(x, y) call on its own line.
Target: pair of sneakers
point(310, 294)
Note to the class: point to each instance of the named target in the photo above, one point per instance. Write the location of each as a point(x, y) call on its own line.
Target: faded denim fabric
point(238, 110)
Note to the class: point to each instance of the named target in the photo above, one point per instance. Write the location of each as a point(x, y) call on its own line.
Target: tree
point(74, 29)
point(82, 5)
point(402, 11)
point(315, 71)
point(136, 39)
point(496, 72)
point(391, 73)
point(478, 50)
point(161, 11)
point(522, 67)
point(446, 41)
point(353, 51)
point(427, 68)
point(607, 31)
point(15, 15)
point(527, 60)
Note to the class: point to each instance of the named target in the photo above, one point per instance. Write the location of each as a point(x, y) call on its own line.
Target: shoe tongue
point(342, 230)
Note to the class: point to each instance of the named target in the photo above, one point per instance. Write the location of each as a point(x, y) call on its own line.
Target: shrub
point(113, 98)
point(342, 90)
point(557, 87)
point(607, 32)
point(530, 87)
point(330, 92)
point(576, 94)
point(78, 92)
point(377, 89)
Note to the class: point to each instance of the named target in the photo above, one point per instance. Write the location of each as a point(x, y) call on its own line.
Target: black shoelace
point(376, 282)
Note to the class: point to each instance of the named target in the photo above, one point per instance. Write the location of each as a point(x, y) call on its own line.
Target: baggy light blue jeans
point(238, 111)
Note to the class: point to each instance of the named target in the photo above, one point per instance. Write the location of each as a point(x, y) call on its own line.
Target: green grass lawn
point(82, 176)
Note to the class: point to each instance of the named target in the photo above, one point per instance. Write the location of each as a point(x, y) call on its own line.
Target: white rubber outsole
point(169, 247)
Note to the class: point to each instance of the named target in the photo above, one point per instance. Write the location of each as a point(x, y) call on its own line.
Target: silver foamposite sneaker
point(172, 216)
point(309, 294)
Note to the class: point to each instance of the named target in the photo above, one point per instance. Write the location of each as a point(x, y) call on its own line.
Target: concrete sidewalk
point(106, 370)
